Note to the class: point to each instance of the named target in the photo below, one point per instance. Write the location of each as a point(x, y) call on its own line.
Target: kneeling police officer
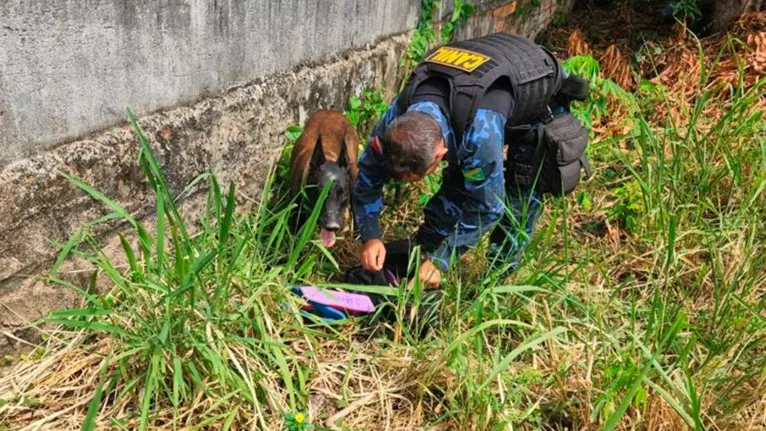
point(462, 105)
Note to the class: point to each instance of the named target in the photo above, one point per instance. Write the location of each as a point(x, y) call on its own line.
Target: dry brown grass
point(359, 382)
point(577, 44)
point(615, 67)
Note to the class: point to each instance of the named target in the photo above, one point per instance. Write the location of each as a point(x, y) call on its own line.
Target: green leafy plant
point(292, 133)
point(629, 207)
point(461, 11)
point(298, 422)
point(584, 200)
point(686, 10)
point(604, 93)
point(364, 112)
point(423, 36)
point(650, 95)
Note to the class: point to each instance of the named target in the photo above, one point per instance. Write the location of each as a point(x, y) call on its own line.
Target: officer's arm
point(482, 164)
point(367, 194)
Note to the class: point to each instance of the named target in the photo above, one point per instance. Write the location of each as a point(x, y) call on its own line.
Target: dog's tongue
point(327, 237)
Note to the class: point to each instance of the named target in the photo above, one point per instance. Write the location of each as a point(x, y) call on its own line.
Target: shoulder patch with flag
point(474, 174)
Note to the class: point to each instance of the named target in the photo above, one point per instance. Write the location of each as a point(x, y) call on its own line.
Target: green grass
point(639, 305)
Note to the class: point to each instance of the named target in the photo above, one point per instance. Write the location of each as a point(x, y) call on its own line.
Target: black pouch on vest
point(549, 156)
point(522, 166)
point(565, 140)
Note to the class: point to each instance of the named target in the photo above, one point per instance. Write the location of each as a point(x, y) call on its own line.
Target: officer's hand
point(429, 275)
point(373, 255)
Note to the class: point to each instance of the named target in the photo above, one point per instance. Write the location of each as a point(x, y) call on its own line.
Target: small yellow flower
point(300, 418)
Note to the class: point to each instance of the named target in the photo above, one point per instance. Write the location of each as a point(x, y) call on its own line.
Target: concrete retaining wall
point(70, 67)
point(245, 70)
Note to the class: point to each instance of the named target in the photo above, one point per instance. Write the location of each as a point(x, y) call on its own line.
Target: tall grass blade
point(524, 346)
point(160, 242)
point(150, 386)
point(614, 419)
point(225, 226)
point(89, 423)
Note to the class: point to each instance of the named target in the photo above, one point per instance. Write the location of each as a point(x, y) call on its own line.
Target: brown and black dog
point(326, 151)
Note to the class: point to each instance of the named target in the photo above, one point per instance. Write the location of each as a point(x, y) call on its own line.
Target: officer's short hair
point(410, 143)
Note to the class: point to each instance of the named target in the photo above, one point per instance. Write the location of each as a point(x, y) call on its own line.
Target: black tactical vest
point(472, 66)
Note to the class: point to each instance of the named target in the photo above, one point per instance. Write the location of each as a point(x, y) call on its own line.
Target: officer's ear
point(441, 150)
point(376, 145)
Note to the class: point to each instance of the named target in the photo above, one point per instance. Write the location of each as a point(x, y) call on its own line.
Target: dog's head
point(322, 172)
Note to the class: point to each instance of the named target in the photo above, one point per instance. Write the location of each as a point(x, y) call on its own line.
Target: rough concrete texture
point(70, 67)
point(239, 132)
point(524, 17)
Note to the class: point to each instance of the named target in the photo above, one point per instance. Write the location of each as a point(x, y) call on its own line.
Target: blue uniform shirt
point(470, 201)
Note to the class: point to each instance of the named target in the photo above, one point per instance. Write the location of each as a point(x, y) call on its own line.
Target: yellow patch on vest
point(457, 58)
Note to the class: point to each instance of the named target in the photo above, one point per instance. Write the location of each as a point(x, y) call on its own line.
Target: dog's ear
point(317, 158)
point(343, 161)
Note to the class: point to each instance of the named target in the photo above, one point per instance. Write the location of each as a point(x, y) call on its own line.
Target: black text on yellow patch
point(458, 58)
